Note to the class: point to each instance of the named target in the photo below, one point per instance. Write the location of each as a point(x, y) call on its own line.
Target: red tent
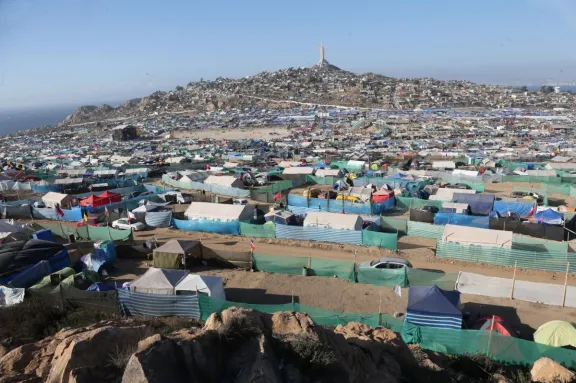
point(93, 201)
point(109, 197)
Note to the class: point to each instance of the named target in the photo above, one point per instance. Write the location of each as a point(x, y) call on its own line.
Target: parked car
point(125, 224)
point(240, 201)
point(386, 263)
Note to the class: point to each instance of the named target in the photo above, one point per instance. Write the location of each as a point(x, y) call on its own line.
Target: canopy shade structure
point(430, 306)
point(158, 281)
point(556, 333)
point(110, 197)
point(493, 324)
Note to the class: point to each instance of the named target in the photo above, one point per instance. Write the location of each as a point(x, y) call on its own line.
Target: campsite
point(482, 261)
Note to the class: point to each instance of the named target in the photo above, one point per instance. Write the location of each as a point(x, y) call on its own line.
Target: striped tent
point(431, 306)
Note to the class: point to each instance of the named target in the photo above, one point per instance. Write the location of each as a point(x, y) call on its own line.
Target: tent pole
point(565, 285)
point(513, 280)
point(490, 338)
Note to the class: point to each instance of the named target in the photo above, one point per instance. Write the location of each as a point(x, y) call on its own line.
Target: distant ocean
point(12, 121)
point(562, 88)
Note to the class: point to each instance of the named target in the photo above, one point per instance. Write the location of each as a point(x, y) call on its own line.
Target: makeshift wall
point(208, 226)
point(416, 203)
point(551, 261)
point(425, 230)
point(71, 297)
point(554, 233)
point(226, 257)
point(103, 233)
point(547, 293)
point(294, 265)
point(74, 214)
point(43, 189)
point(319, 234)
point(391, 224)
point(156, 305)
point(382, 277)
point(158, 219)
point(16, 211)
point(533, 244)
point(462, 220)
point(380, 239)
point(267, 230)
point(337, 206)
point(420, 215)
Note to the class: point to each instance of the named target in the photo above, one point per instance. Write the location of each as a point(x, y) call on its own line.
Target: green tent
point(171, 254)
point(556, 333)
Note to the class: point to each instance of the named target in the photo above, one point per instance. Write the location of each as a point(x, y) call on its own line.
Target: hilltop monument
point(323, 63)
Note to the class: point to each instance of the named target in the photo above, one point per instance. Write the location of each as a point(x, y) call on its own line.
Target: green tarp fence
point(455, 342)
point(348, 270)
point(319, 316)
point(89, 232)
point(275, 187)
point(268, 230)
point(551, 261)
point(489, 343)
point(382, 277)
point(379, 239)
point(323, 180)
point(103, 233)
point(557, 189)
point(533, 179)
point(425, 230)
point(398, 224)
point(534, 244)
point(416, 203)
point(281, 264)
point(539, 190)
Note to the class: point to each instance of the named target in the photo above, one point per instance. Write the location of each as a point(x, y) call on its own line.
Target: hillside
point(317, 85)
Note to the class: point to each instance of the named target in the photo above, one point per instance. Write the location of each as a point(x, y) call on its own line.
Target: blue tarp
point(431, 306)
point(208, 226)
point(462, 220)
point(549, 216)
point(522, 209)
point(480, 204)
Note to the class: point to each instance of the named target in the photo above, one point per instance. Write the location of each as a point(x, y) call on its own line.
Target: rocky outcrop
point(545, 370)
point(70, 355)
point(248, 346)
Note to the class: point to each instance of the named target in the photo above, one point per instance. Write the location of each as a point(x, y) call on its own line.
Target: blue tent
point(430, 306)
point(550, 217)
point(480, 204)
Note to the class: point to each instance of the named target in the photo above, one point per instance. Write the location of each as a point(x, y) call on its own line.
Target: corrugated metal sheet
point(158, 219)
point(154, 305)
point(319, 234)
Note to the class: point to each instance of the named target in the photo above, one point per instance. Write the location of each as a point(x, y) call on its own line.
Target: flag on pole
point(59, 211)
point(106, 211)
point(252, 246)
point(131, 215)
point(277, 196)
point(85, 217)
point(532, 211)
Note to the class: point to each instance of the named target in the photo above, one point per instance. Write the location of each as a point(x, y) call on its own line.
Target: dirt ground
point(234, 134)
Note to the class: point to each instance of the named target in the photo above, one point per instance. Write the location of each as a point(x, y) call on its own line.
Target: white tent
point(216, 211)
point(204, 284)
point(447, 194)
point(329, 173)
point(299, 170)
point(51, 199)
point(474, 236)
point(158, 281)
point(228, 181)
point(333, 221)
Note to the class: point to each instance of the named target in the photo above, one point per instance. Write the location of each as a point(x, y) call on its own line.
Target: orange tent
point(93, 201)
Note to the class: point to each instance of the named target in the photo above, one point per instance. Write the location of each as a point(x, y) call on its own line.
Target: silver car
point(386, 263)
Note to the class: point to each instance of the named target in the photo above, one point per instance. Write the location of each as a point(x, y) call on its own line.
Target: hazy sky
point(76, 51)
